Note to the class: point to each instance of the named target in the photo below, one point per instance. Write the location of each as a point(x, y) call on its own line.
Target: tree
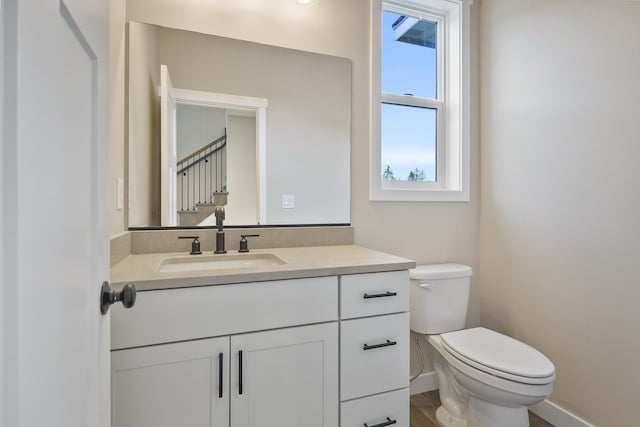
point(387, 175)
point(416, 175)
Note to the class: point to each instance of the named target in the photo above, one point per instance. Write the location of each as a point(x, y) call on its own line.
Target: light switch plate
point(288, 201)
point(119, 194)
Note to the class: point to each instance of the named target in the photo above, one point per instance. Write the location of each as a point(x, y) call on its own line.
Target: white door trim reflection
point(259, 105)
point(168, 140)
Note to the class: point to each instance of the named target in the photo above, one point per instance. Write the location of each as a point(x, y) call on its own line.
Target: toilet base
point(445, 419)
point(485, 414)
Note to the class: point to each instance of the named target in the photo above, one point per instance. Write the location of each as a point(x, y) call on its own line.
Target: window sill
point(395, 195)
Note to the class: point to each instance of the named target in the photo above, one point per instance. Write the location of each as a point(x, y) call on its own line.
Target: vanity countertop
point(315, 261)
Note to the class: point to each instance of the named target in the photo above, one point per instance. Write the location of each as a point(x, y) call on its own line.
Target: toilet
point(486, 379)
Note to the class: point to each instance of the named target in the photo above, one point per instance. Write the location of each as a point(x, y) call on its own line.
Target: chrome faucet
point(220, 200)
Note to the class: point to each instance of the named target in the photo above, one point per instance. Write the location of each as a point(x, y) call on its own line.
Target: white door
point(168, 151)
point(286, 377)
point(183, 384)
point(55, 228)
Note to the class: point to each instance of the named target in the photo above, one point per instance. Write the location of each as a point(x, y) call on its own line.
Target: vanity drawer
point(374, 355)
point(374, 293)
point(171, 315)
point(375, 410)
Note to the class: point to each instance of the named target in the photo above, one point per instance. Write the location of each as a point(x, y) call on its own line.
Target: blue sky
point(408, 133)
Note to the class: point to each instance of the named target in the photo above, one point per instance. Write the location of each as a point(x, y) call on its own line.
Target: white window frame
point(452, 103)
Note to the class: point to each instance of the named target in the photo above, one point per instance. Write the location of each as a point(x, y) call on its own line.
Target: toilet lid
point(484, 348)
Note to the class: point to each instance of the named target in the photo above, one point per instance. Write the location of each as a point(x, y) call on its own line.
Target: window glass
point(408, 149)
point(408, 55)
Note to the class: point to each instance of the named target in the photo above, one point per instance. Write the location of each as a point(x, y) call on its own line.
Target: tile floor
point(423, 411)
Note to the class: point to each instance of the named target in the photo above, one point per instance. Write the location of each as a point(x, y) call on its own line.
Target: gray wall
point(241, 173)
point(117, 108)
point(197, 126)
point(560, 229)
point(143, 152)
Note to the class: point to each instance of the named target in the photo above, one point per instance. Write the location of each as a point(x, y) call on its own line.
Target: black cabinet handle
point(384, 344)
point(382, 424)
point(386, 294)
point(240, 372)
point(220, 379)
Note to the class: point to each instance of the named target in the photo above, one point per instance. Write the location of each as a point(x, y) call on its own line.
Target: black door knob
point(110, 296)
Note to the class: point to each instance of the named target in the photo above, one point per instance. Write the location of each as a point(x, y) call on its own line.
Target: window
point(420, 113)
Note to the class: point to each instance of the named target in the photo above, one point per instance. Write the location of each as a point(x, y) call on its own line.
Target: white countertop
point(315, 261)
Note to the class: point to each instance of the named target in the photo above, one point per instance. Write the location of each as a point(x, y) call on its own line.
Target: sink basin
point(216, 263)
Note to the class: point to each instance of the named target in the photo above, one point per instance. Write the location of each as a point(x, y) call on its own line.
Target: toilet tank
point(439, 297)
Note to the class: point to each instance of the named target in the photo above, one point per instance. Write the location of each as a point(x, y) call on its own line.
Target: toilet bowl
point(486, 379)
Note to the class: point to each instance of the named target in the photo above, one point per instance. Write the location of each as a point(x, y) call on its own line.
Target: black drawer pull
point(386, 294)
point(220, 379)
point(383, 424)
point(240, 372)
point(384, 344)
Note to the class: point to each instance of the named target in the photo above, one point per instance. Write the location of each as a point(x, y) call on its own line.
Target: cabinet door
point(182, 384)
point(286, 377)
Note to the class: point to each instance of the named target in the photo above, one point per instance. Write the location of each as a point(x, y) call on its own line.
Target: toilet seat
point(496, 382)
point(499, 355)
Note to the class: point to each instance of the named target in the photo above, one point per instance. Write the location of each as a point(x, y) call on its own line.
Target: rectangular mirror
point(270, 126)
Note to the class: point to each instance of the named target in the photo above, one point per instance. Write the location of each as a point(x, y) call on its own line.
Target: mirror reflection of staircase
point(190, 218)
point(200, 174)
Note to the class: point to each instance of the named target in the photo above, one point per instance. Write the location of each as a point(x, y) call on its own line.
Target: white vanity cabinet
point(283, 377)
point(174, 349)
point(314, 352)
point(374, 349)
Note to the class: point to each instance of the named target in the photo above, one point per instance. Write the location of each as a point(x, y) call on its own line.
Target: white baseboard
point(558, 416)
point(549, 411)
point(427, 381)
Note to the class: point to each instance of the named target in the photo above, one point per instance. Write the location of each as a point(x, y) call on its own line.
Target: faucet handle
point(195, 245)
point(244, 244)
